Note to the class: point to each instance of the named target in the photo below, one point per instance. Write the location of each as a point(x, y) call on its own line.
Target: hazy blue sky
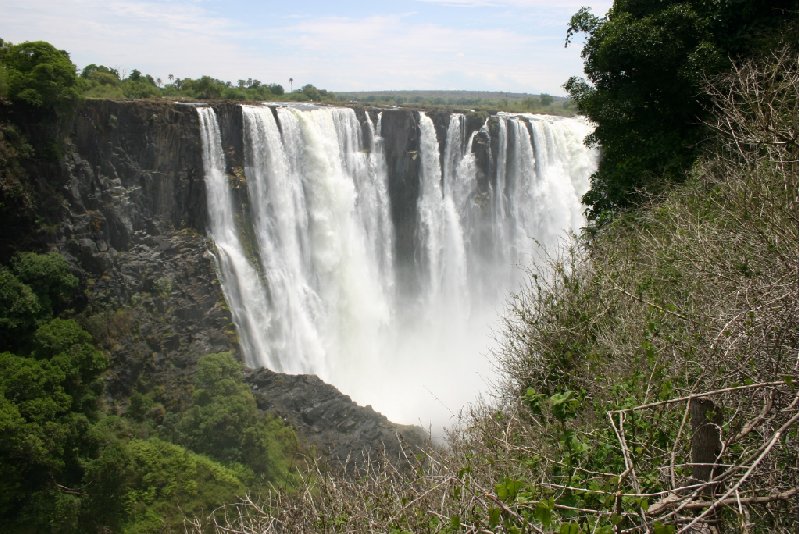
point(499, 45)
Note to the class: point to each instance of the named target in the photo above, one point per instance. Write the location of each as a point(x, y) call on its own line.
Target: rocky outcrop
point(340, 430)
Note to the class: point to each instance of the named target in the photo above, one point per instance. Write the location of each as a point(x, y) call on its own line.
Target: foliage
point(19, 307)
point(47, 404)
point(37, 90)
point(50, 278)
point(99, 81)
point(646, 63)
point(37, 287)
point(225, 423)
point(67, 466)
point(148, 485)
point(460, 100)
point(17, 200)
point(39, 76)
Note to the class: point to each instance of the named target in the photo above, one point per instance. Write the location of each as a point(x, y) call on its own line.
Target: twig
point(700, 395)
point(744, 477)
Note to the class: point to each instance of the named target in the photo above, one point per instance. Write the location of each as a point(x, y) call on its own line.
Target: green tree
point(19, 308)
point(225, 423)
point(39, 75)
point(47, 405)
point(151, 485)
point(50, 277)
point(90, 70)
point(645, 63)
point(311, 92)
point(545, 99)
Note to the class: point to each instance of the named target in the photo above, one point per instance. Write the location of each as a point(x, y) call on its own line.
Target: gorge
point(331, 267)
point(371, 247)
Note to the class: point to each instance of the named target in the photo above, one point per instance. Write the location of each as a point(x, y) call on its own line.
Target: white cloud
point(376, 51)
point(598, 6)
point(394, 52)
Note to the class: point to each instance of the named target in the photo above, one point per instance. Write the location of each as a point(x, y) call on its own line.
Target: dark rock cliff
point(400, 131)
point(135, 224)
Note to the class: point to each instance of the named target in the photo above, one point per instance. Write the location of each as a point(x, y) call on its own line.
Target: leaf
point(543, 513)
point(494, 517)
point(534, 401)
point(569, 528)
point(508, 488)
point(564, 405)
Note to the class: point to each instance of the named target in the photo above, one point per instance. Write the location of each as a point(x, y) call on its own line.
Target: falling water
point(308, 267)
point(240, 282)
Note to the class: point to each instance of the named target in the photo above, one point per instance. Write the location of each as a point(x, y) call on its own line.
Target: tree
point(47, 405)
point(50, 278)
point(645, 63)
point(545, 99)
point(225, 423)
point(39, 75)
point(90, 70)
point(19, 308)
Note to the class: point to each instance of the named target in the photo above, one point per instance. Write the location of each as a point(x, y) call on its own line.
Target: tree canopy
point(39, 75)
point(645, 65)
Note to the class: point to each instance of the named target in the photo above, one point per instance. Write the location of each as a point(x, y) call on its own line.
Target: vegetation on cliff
point(69, 464)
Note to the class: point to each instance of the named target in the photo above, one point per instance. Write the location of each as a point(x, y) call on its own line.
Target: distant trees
point(645, 64)
point(311, 92)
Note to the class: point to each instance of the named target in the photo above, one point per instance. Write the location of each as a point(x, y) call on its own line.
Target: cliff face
point(135, 224)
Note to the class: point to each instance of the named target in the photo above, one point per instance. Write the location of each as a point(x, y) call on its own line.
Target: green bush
point(39, 75)
point(225, 423)
point(151, 485)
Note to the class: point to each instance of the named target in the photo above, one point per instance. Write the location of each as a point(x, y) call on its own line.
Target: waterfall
point(240, 282)
point(442, 237)
point(306, 251)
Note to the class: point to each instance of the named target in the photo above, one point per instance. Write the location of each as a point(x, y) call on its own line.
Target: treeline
point(38, 75)
point(99, 81)
point(479, 100)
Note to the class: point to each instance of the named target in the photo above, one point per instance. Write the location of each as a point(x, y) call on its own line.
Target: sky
point(338, 45)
